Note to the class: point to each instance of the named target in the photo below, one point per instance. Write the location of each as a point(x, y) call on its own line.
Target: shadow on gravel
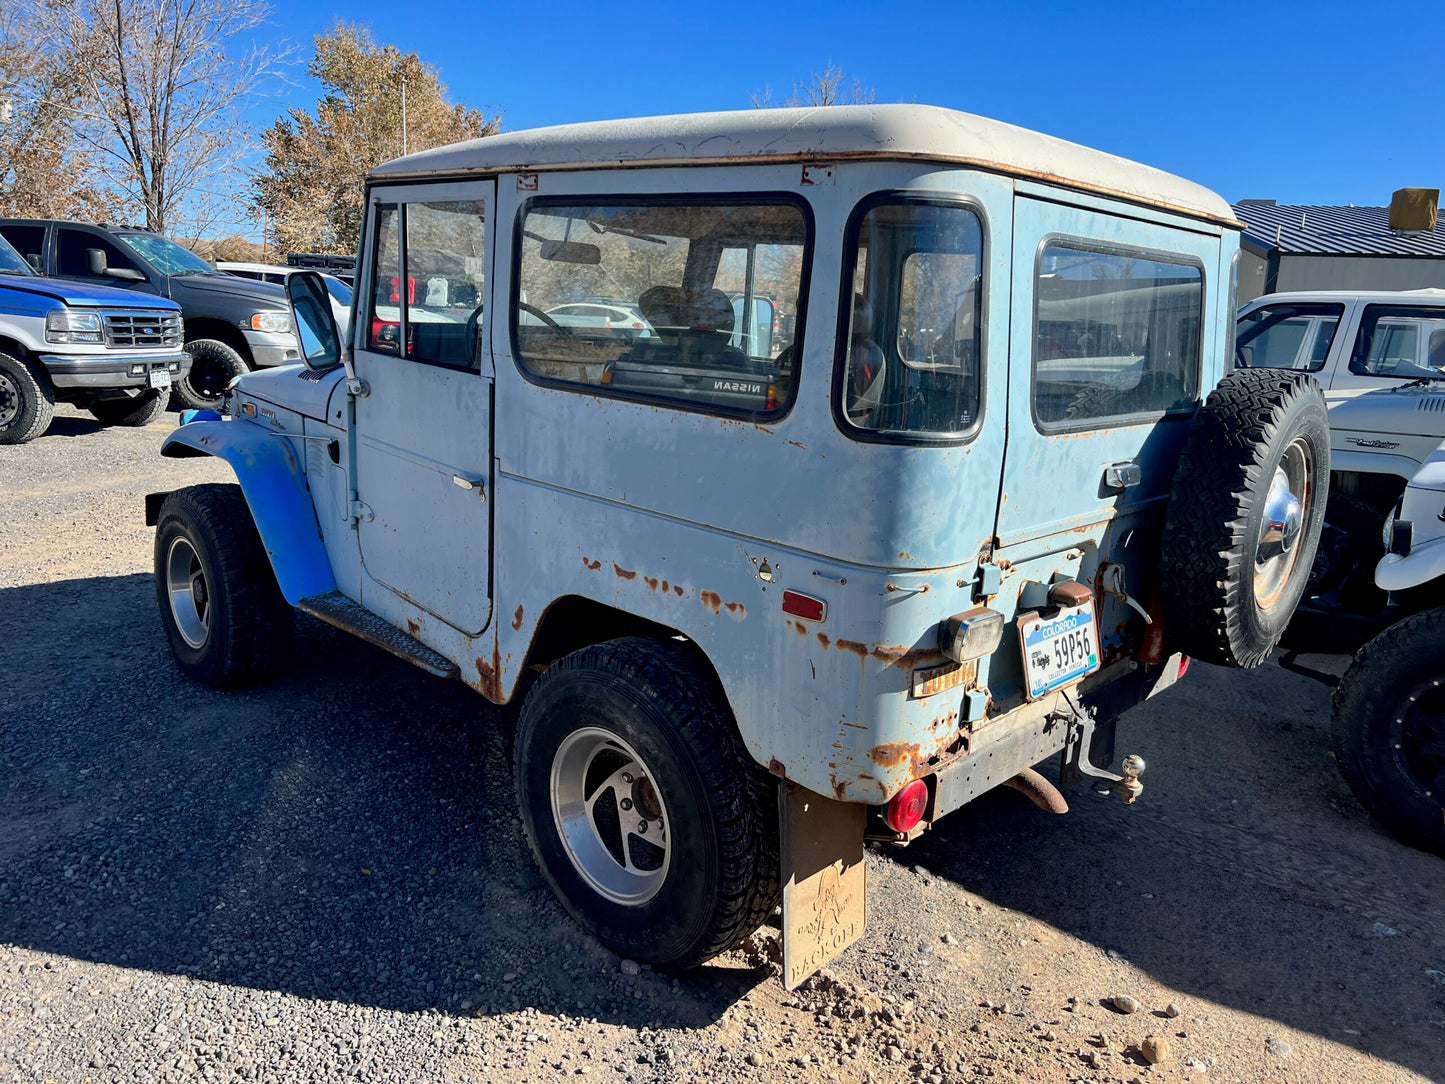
point(346, 833)
point(71, 425)
point(1246, 875)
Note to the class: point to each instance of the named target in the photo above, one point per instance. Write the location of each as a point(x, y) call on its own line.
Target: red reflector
point(906, 809)
point(804, 606)
point(1183, 666)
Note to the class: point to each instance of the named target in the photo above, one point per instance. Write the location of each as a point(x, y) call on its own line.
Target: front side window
point(1116, 334)
point(1407, 343)
point(911, 364)
point(74, 257)
point(1287, 336)
point(688, 302)
point(428, 281)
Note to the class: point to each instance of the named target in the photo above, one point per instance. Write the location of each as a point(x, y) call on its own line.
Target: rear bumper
point(98, 372)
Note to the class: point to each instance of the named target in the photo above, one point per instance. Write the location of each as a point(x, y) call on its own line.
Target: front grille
point(126, 330)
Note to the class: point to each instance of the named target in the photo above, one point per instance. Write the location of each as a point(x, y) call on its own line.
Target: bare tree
point(826, 87)
point(160, 88)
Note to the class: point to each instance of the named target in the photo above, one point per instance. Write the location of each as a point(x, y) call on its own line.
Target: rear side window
point(1116, 334)
point(29, 241)
point(695, 303)
point(1287, 336)
point(910, 366)
point(1404, 342)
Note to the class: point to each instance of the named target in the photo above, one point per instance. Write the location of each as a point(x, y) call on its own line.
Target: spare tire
point(1245, 515)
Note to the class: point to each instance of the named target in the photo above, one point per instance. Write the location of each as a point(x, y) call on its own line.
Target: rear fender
point(274, 483)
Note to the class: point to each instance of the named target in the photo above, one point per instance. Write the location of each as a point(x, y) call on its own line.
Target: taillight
point(1183, 667)
point(772, 403)
point(903, 813)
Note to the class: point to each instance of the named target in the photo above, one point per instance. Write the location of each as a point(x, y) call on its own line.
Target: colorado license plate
point(1058, 650)
point(158, 378)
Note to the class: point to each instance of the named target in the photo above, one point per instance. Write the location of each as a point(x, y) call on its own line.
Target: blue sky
point(1321, 103)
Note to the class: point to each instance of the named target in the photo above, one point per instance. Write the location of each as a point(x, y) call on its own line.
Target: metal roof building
point(1308, 247)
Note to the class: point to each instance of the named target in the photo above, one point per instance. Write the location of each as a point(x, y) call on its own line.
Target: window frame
point(665, 199)
point(1370, 316)
point(849, 270)
point(1110, 248)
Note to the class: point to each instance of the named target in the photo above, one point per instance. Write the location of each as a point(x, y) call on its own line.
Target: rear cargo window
point(1116, 334)
point(697, 303)
point(1287, 336)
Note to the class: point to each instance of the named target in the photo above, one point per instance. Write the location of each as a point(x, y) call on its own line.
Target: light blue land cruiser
point(113, 352)
point(762, 597)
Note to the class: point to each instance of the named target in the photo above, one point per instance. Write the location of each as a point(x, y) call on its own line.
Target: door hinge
point(359, 511)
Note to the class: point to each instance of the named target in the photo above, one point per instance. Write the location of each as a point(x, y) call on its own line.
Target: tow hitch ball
point(1077, 767)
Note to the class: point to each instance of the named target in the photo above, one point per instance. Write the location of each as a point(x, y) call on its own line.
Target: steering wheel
point(470, 332)
point(551, 323)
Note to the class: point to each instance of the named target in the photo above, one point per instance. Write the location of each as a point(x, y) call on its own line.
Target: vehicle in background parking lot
point(264, 272)
point(232, 325)
point(111, 352)
point(1378, 582)
point(762, 599)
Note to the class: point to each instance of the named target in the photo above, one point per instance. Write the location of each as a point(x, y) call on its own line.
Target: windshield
point(167, 256)
point(11, 262)
point(339, 291)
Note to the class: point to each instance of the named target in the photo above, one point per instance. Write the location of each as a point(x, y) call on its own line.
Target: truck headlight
point(277, 323)
point(68, 326)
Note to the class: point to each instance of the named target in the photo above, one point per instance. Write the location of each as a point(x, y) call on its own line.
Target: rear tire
point(223, 613)
point(632, 732)
point(213, 366)
point(1231, 575)
point(142, 410)
point(1388, 728)
point(27, 401)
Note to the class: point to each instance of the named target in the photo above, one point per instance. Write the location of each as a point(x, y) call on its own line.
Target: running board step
point(336, 609)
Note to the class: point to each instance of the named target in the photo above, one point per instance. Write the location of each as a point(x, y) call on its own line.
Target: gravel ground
point(324, 879)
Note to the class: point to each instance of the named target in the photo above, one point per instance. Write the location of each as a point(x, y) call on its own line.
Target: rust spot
point(840, 787)
point(489, 676)
point(665, 587)
point(739, 609)
point(677, 590)
point(776, 767)
point(517, 619)
point(712, 600)
point(651, 582)
point(798, 444)
point(623, 573)
point(904, 555)
point(893, 754)
point(764, 428)
point(592, 566)
point(412, 627)
point(905, 658)
point(800, 628)
point(854, 646)
point(823, 639)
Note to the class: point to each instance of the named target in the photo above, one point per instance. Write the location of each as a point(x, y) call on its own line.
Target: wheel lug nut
point(627, 777)
point(642, 828)
point(626, 804)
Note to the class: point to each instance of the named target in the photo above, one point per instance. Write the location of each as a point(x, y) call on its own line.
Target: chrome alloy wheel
point(610, 816)
point(9, 400)
point(189, 593)
point(1276, 549)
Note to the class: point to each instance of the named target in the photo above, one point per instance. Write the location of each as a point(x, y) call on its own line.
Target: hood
point(268, 294)
point(293, 387)
point(1412, 410)
point(69, 292)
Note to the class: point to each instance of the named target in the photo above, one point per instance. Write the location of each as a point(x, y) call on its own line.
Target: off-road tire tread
point(39, 390)
point(1373, 683)
point(741, 795)
point(142, 410)
point(1204, 544)
point(259, 621)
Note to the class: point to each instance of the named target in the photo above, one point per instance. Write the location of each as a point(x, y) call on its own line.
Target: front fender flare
point(274, 483)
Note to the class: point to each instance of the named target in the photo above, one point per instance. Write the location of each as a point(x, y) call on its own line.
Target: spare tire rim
point(9, 400)
point(1417, 739)
point(1285, 509)
point(610, 816)
point(189, 593)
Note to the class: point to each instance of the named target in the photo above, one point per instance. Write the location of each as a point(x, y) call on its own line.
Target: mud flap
point(824, 880)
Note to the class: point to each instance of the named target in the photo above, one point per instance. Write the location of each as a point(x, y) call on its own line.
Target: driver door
point(423, 432)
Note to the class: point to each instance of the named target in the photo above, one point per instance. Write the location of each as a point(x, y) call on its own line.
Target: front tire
point(1388, 728)
point(142, 410)
point(213, 366)
point(223, 613)
point(27, 401)
point(651, 823)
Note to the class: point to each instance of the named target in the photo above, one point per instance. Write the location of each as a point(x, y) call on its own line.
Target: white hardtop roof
point(821, 134)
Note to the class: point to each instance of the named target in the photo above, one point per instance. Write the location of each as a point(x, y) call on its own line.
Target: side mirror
point(95, 259)
point(33, 259)
point(315, 324)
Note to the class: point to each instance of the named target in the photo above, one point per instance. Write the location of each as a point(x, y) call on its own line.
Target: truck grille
point(124, 330)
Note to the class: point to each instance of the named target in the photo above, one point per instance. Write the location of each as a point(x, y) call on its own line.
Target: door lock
point(464, 482)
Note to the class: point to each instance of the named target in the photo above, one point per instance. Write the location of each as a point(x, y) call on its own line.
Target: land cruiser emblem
point(737, 385)
point(1364, 443)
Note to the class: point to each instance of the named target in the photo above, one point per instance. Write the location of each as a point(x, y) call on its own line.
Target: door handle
point(1123, 475)
point(464, 482)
